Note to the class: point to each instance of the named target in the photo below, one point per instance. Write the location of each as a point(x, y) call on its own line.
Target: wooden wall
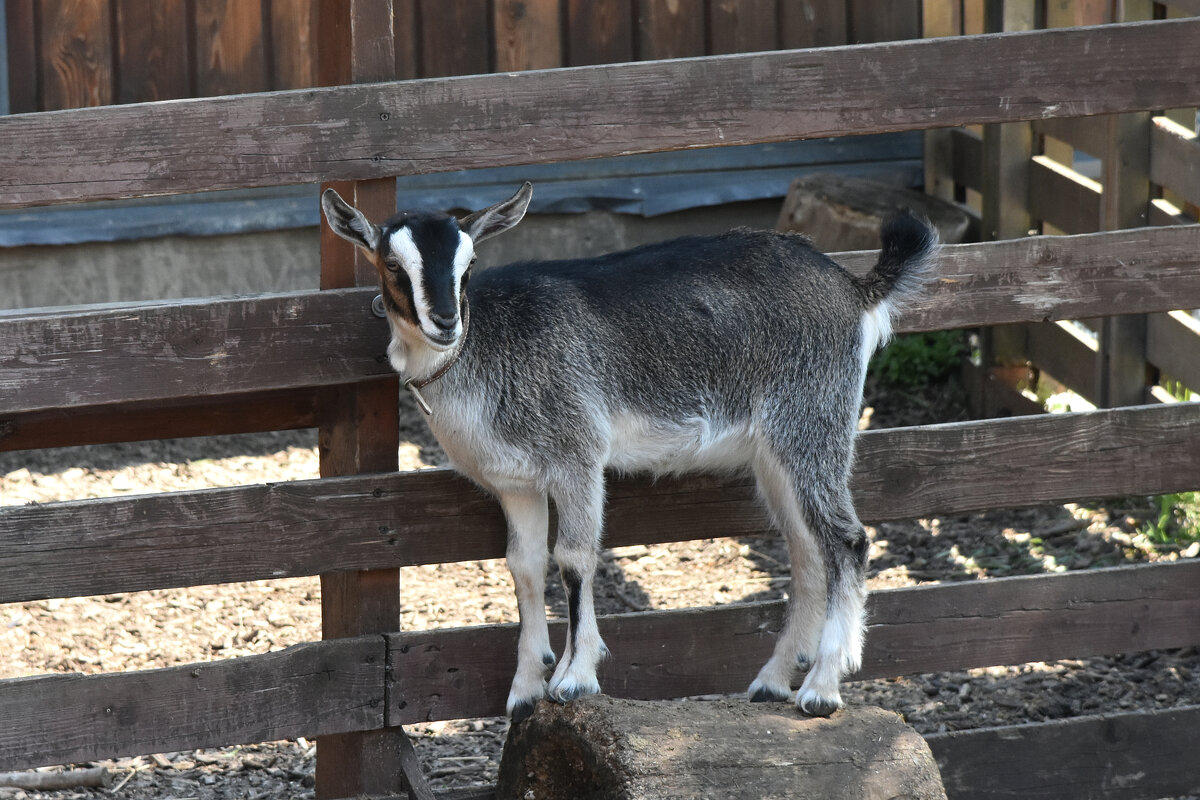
point(74, 53)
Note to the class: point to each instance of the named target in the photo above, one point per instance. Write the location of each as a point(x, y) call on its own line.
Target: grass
point(1178, 519)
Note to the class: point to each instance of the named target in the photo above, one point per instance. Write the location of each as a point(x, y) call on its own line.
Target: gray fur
point(744, 351)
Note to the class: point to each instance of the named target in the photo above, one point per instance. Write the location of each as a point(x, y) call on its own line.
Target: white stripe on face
point(405, 251)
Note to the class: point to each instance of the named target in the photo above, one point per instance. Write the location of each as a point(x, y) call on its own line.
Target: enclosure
point(313, 359)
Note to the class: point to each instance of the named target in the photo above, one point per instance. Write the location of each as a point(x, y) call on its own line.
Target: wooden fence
point(1027, 178)
point(221, 365)
point(76, 53)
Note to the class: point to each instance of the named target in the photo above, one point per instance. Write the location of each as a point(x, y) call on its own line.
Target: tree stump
point(601, 748)
point(841, 213)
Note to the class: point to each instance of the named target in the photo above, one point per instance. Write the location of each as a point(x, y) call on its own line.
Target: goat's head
point(424, 260)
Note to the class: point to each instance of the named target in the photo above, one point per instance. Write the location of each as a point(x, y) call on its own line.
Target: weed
point(1178, 520)
point(915, 360)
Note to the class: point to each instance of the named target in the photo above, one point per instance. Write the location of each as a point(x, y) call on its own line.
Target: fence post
point(359, 424)
point(1125, 203)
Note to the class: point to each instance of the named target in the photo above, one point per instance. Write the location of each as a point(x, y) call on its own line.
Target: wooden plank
point(1062, 197)
point(1054, 348)
point(1175, 159)
point(22, 57)
point(743, 26)
point(884, 22)
point(433, 516)
point(253, 413)
point(229, 47)
point(152, 51)
point(465, 672)
point(454, 38)
point(286, 341)
point(1080, 133)
point(968, 158)
point(397, 128)
point(670, 29)
point(529, 34)
point(406, 39)
point(293, 43)
point(1125, 756)
point(304, 690)
point(75, 54)
point(181, 349)
point(813, 23)
point(359, 423)
point(1173, 345)
point(598, 32)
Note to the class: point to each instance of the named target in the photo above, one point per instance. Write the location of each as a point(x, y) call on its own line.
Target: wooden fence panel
point(76, 55)
point(153, 51)
point(1127, 756)
point(1173, 345)
point(390, 520)
point(460, 672)
point(230, 57)
point(286, 341)
point(669, 29)
point(379, 130)
point(305, 690)
point(1175, 159)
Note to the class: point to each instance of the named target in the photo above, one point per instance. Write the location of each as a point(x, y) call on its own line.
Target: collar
point(415, 385)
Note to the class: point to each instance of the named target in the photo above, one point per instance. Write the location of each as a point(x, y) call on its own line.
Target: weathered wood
point(600, 747)
point(23, 95)
point(189, 348)
point(288, 409)
point(670, 29)
point(1062, 197)
point(528, 34)
point(460, 672)
point(1058, 350)
point(455, 33)
point(390, 520)
point(305, 690)
point(181, 349)
point(1117, 757)
point(743, 26)
point(387, 129)
point(1175, 158)
point(813, 23)
point(359, 423)
point(229, 52)
point(1173, 345)
point(75, 43)
point(152, 50)
point(598, 32)
point(293, 38)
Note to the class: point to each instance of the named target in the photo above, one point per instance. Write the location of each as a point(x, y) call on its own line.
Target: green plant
point(1178, 519)
point(914, 360)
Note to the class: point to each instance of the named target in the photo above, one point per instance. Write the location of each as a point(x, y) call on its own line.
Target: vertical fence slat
point(669, 29)
point(359, 423)
point(76, 54)
point(528, 34)
point(152, 51)
point(599, 32)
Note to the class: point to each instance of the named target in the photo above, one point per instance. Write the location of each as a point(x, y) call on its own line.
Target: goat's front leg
point(528, 527)
point(580, 509)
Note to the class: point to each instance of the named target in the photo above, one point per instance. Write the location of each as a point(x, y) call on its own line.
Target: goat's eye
point(392, 265)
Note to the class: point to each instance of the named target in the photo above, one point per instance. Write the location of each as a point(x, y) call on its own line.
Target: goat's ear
point(496, 219)
point(348, 222)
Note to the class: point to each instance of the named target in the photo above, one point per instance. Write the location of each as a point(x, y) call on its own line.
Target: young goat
point(744, 350)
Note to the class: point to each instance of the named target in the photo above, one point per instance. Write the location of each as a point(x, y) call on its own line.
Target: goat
point(746, 350)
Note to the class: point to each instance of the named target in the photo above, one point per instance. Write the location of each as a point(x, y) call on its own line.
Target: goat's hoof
point(521, 710)
point(548, 658)
point(567, 691)
point(765, 694)
point(814, 705)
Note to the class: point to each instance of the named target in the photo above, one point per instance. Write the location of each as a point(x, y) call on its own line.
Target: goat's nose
point(444, 321)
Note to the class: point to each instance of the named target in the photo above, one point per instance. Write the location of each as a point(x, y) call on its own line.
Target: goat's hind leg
point(580, 509)
point(844, 546)
point(797, 642)
point(527, 555)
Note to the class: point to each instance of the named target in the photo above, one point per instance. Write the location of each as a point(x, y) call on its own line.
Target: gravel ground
point(165, 628)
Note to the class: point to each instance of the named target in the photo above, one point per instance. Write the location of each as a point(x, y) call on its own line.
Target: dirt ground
point(164, 628)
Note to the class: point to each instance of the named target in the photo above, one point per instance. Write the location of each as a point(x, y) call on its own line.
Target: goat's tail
point(905, 263)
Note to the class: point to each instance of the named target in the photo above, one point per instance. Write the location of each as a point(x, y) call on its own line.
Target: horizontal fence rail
point(372, 681)
point(453, 673)
point(1128, 756)
point(270, 342)
point(433, 516)
point(380, 130)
